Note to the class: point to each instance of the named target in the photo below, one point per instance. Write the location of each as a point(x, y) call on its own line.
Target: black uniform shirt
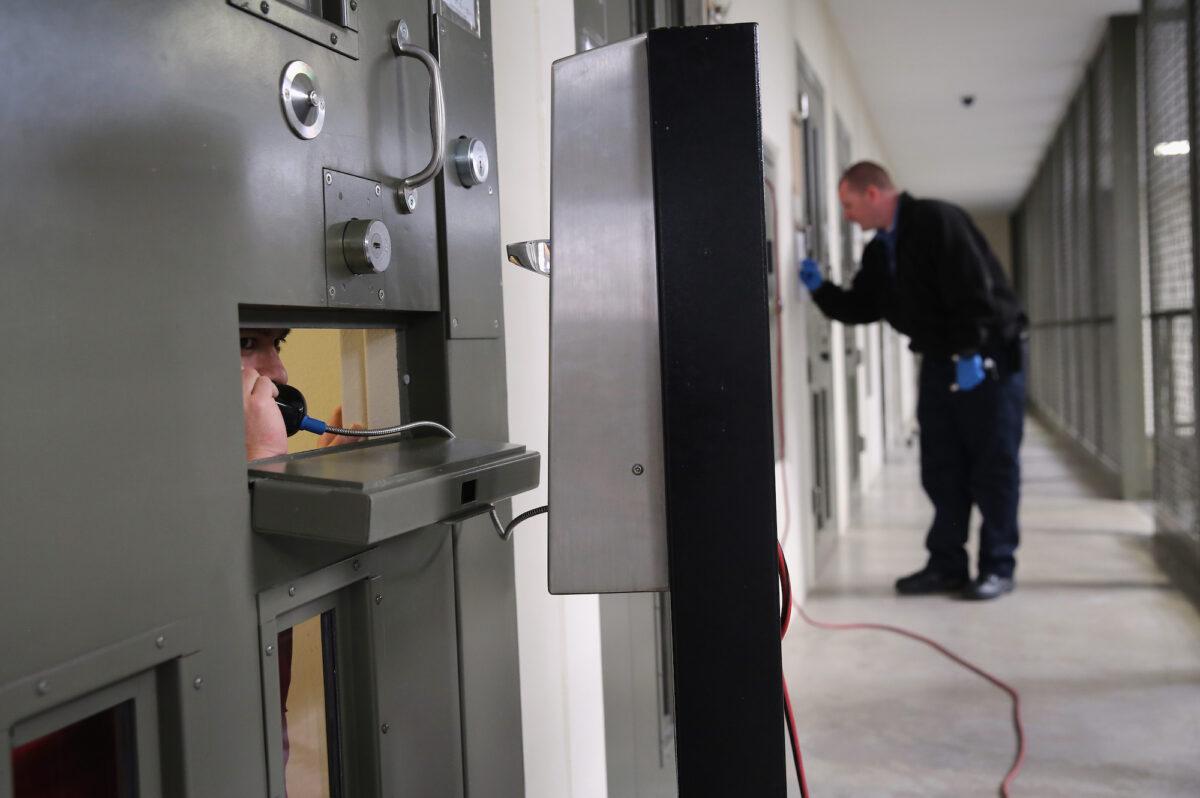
point(948, 292)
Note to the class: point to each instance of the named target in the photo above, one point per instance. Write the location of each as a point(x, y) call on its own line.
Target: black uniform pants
point(970, 455)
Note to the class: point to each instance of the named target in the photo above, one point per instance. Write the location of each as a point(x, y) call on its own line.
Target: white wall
point(995, 229)
point(559, 637)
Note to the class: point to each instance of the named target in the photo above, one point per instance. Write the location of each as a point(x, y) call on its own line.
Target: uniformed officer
point(930, 273)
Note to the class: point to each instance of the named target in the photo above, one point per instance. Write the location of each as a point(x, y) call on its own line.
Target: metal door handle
point(437, 106)
point(532, 255)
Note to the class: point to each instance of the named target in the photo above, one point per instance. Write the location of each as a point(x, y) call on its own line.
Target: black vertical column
point(716, 377)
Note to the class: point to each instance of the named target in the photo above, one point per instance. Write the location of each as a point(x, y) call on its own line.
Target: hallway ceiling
point(1021, 59)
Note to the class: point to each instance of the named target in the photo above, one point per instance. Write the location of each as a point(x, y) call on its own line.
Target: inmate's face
point(260, 351)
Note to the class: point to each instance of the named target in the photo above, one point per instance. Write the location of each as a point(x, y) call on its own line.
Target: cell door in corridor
point(850, 335)
point(809, 204)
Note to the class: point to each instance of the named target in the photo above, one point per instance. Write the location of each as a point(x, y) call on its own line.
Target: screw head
point(198, 682)
point(287, 94)
point(406, 379)
point(378, 598)
point(329, 178)
point(454, 322)
point(356, 565)
point(495, 324)
point(353, 5)
point(378, 191)
point(332, 292)
point(381, 294)
point(333, 38)
point(385, 728)
point(403, 30)
point(638, 469)
point(160, 641)
point(291, 590)
point(42, 687)
point(270, 650)
point(491, 191)
point(264, 7)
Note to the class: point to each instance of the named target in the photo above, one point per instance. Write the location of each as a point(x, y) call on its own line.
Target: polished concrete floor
point(1105, 654)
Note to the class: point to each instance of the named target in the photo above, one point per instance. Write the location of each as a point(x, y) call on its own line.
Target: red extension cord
point(785, 582)
point(785, 618)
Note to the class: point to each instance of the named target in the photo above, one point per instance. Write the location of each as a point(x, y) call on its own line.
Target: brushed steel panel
point(608, 522)
point(470, 216)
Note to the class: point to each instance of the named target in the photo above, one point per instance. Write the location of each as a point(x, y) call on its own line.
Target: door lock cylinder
point(366, 246)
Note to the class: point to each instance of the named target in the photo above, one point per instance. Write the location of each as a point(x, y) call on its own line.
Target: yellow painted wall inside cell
point(307, 770)
point(313, 359)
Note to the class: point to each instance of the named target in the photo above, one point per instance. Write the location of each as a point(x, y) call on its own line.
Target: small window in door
point(308, 700)
point(95, 757)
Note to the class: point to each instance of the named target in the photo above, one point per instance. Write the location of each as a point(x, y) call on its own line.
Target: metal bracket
point(531, 255)
point(475, 512)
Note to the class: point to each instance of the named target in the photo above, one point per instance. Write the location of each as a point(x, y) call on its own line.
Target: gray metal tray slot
point(369, 492)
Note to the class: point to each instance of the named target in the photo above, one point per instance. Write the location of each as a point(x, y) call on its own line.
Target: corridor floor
point(1105, 654)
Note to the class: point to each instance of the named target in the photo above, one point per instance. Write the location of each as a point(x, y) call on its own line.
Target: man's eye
point(247, 344)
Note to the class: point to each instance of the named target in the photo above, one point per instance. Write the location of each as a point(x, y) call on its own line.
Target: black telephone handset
point(292, 406)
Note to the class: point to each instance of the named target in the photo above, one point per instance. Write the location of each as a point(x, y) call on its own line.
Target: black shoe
point(927, 580)
point(988, 586)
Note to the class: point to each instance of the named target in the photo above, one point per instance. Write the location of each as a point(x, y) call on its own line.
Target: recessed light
point(1165, 148)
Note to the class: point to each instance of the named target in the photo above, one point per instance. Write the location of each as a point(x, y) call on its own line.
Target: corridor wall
point(1078, 264)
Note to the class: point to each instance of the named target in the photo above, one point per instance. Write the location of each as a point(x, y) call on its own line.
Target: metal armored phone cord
point(525, 516)
point(294, 409)
point(377, 433)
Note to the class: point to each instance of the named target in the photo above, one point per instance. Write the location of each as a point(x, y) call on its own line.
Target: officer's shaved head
point(868, 195)
point(864, 174)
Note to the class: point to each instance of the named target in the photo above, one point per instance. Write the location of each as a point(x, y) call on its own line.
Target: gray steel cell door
point(811, 241)
point(850, 339)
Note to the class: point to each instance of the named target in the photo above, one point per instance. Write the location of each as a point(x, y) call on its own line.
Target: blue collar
point(888, 234)
point(891, 231)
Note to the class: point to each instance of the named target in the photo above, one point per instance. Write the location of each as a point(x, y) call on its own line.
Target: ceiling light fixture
point(1165, 148)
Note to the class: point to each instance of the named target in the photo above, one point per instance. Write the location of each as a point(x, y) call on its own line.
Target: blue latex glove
point(810, 274)
point(969, 373)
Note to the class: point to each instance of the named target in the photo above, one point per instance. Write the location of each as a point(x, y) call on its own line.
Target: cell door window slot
point(95, 756)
